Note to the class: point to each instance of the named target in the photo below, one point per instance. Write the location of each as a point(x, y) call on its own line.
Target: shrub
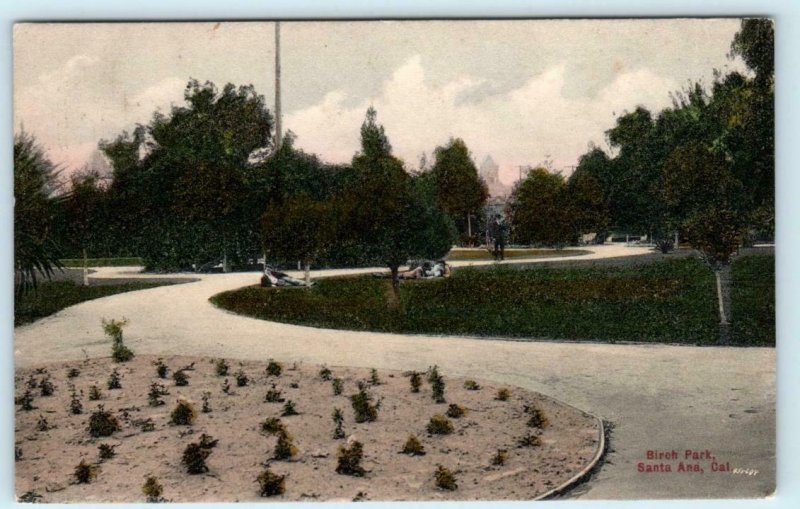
point(46, 387)
point(274, 395)
point(325, 373)
point(433, 373)
point(85, 472)
point(437, 389)
point(29, 497)
point(445, 479)
point(106, 452)
point(455, 411)
point(349, 459)
point(183, 414)
point(161, 371)
point(121, 353)
point(221, 367)
point(271, 484)
point(114, 380)
point(194, 458)
point(338, 419)
point(113, 329)
point(152, 489)
point(362, 406)
point(32, 383)
point(241, 378)
point(146, 424)
point(226, 386)
point(503, 394)
point(94, 393)
point(288, 409)
point(338, 386)
point(17, 453)
point(25, 401)
point(73, 373)
point(537, 418)
point(181, 378)
point(274, 368)
point(665, 245)
point(416, 381)
point(439, 425)
point(294, 385)
point(471, 385)
point(373, 377)
point(272, 426)
point(75, 405)
point(500, 457)
point(42, 424)
point(284, 447)
point(529, 440)
point(413, 447)
point(102, 423)
point(207, 441)
point(154, 396)
point(206, 406)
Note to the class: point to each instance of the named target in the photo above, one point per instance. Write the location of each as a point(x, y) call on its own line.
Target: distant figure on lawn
point(498, 230)
point(272, 277)
point(425, 270)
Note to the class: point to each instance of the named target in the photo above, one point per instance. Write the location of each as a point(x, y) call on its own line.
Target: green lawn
point(103, 262)
point(51, 297)
point(670, 301)
point(483, 254)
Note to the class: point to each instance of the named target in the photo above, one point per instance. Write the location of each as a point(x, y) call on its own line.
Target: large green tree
point(540, 210)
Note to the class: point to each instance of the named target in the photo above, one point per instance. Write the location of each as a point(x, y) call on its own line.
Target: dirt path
point(657, 397)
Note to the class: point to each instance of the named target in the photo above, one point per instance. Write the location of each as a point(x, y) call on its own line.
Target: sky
point(522, 91)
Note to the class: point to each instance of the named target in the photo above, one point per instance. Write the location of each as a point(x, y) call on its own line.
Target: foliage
point(154, 395)
point(373, 377)
point(102, 423)
point(529, 440)
point(114, 380)
point(325, 373)
point(288, 409)
point(194, 458)
point(42, 424)
point(349, 459)
point(272, 426)
point(180, 378)
point(241, 378)
point(471, 385)
point(274, 368)
point(85, 473)
point(75, 405)
point(338, 386)
point(338, 420)
point(454, 411)
point(415, 379)
point(536, 418)
point(206, 397)
point(413, 447)
point(106, 452)
point(445, 479)
point(94, 393)
point(365, 410)
point(73, 372)
point(152, 489)
point(183, 414)
point(439, 425)
point(161, 368)
point(284, 446)
point(271, 484)
point(221, 367)
point(500, 457)
point(540, 210)
point(46, 387)
point(437, 387)
point(273, 395)
point(502, 394)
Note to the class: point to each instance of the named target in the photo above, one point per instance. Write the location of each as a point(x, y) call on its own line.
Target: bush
point(665, 246)
point(272, 426)
point(338, 385)
point(444, 479)
point(154, 395)
point(183, 414)
point(439, 425)
point(206, 406)
point(284, 447)
point(152, 489)
point(437, 389)
point(273, 395)
point(114, 380)
point(413, 447)
point(194, 458)
point(362, 406)
point(471, 385)
point(207, 441)
point(537, 418)
point(455, 411)
point(271, 484)
point(349, 459)
point(113, 329)
point(503, 394)
point(241, 378)
point(274, 368)
point(433, 373)
point(75, 405)
point(42, 424)
point(325, 373)
point(121, 353)
point(181, 378)
point(73, 373)
point(46, 386)
point(25, 401)
point(529, 440)
point(373, 377)
point(416, 381)
point(161, 371)
point(106, 452)
point(500, 458)
point(226, 386)
point(85, 472)
point(288, 409)
point(102, 423)
point(94, 393)
point(221, 367)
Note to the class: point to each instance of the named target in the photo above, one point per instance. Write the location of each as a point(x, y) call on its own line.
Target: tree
point(460, 192)
point(540, 210)
point(84, 209)
point(35, 252)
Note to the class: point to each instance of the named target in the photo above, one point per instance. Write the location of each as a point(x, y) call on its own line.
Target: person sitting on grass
point(273, 277)
point(439, 269)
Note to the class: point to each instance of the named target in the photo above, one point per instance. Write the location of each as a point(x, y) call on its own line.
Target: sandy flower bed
point(49, 451)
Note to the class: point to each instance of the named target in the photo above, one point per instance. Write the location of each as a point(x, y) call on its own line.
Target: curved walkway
point(657, 397)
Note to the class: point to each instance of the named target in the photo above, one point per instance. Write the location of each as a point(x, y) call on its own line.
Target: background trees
point(541, 211)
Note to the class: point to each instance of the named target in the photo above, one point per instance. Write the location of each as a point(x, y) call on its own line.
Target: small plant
point(94, 393)
point(206, 406)
point(294, 385)
point(274, 395)
point(271, 484)
point(537, 418)
point(113, 329)
point(241, 378)
point(183, 414)
point(415, 381)
point(226, 386)
point(284, 447)
point(154, 396)
point(42, 424)
point(503, 394)
point(437, 389)
point(221, 367)
point(272, 426)
point(338, 386)
point(338, 419)
point(161, 371)
point(29, 497)
point(349, 459)
point(413, 447)
point(665, 246)
point(445, 479)
point(146, 424)
point(288, 409)
point(114, 380)
point(454, 411)
point(121, 353)
point(73, 373)
point(471, 385)
point(32, 383)
point(85, 472)
point(180, 378)
point(75, 405)
point(373, 377)
point(106, 452)
point(362, 405)
point(194, 458)
point(433, 373)
point(102, 423)
point(25, 401)
point(17, 453)
point(46, 387)
point(500, 457)
point(152, 489)
point(274, 368)
point(207, 441)
point(529, 440)
point(439, 425)
point(325, 373)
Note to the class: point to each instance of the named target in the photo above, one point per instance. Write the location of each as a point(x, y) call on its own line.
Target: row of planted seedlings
point(103, 423)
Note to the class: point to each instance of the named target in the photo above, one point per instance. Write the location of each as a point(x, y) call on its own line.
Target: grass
point(103, 262)
point(671, 300)
point(483, 254)
point(52, 297)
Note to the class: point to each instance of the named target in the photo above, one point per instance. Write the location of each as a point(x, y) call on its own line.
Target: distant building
point(489, 171)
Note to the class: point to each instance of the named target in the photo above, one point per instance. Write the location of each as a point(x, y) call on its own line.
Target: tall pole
point(278, 133)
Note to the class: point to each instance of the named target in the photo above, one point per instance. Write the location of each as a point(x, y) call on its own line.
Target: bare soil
point(48, 458)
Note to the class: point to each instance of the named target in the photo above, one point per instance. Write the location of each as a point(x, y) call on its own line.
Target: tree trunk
point(85, 268)
point(723, 280)
point(469, 229)
point(676, 240)
point(308, 273)
point(395, 295)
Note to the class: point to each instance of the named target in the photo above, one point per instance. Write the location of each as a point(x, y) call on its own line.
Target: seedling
point(94, 393)
point(499, 459)
point(226, 386)
point(338, 419)
point(241, 378)
point(373, 377)
point(471, 385)
point(114, 380)
point(273, 395)
point(206, 406)
point(154, 396)
point(113, 329)
point(284, 447)
point(194, 458)
point(146, 424)
point(503, 394)
point(529, 440)
point(152, 489)
point(325, 373)
point(25, 401)
point(439, 425)
point(455, 411)
point(271, 484)
point(221, 367)
point(32, 383)
point(75, 405)
point(537, 418)
point(437, 389)
point(272, 426)
point(338, 386)
point(416, 381)
point(445, 479)
point(30, 497)
point(73, 373)
point(433, 373)
point(42, 424)
point(85, 472)
point(106, 452)
point(181, 378)
point(274, 368)
point(350, 459)
point(207, 441)
point(289, 409)
point(46, 387)
point(183, 414)
point(362, 405)
point(161, 370)
point(413, 447)
point(102, 423)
